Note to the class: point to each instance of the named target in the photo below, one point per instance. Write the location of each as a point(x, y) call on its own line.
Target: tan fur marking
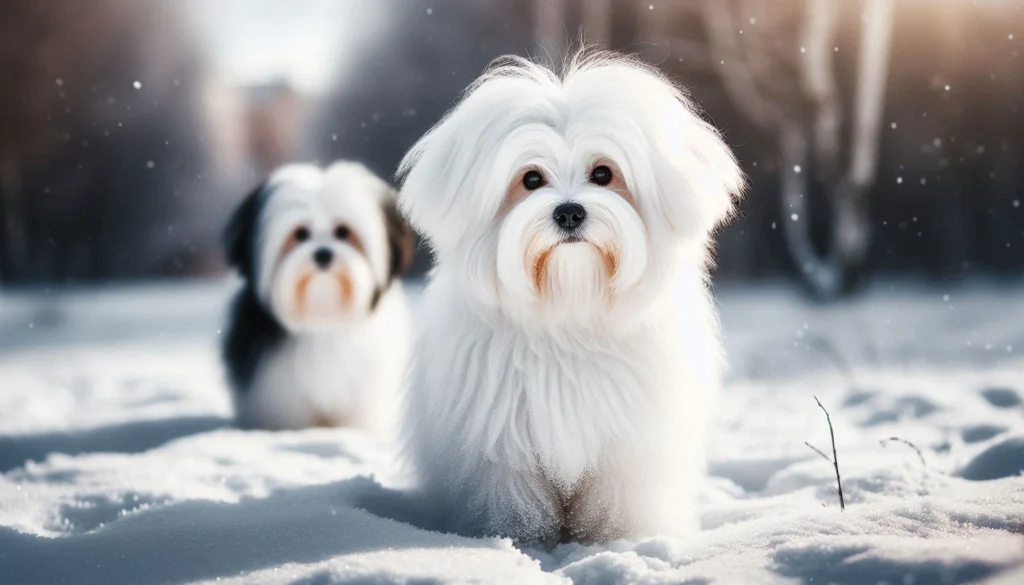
point(611, 262)
point(353, 239)
point(540, 271)
point(321, 419)
point(618, 184)
point(288, 245)
point(301, 286)
point(516, 191)
point(345, 287)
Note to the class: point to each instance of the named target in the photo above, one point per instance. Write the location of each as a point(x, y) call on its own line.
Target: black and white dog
point(319, 334)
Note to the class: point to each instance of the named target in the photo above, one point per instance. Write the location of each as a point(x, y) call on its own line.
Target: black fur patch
point(240, 231)
point(252, 334)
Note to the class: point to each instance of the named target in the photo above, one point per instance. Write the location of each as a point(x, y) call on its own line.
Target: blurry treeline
point(122, 150)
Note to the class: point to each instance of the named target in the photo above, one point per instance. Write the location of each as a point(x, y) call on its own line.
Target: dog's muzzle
point(323, 258)
point(569, 216)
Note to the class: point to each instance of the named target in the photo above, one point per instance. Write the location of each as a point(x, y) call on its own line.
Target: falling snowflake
point(794, 217)
point(137, 85)
point(796, 168)
point(150, 164)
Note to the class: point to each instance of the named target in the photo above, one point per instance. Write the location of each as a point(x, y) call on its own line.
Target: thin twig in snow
point(920, 455)
point(818, 451)
point(835, 456)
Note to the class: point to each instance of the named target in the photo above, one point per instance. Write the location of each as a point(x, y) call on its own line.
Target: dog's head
point(557, 197)
point(319, 246)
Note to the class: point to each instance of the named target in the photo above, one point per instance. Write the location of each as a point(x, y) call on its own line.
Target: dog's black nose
point(323, 257)
point(569, 216)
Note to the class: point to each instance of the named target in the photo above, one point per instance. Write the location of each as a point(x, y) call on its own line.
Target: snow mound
point(1004, 458)
point(118, 462)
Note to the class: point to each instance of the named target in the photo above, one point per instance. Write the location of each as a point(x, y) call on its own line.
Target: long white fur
point(581, 409)
point(340, 365)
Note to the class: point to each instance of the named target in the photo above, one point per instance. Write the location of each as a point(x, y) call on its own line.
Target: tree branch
point(835, 456)
point(876, 37)
point(920, 455)
point(817, 68)
point(818, 451)
point(727, 58)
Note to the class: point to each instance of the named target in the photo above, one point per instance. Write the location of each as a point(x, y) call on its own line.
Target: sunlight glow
point(307, 43)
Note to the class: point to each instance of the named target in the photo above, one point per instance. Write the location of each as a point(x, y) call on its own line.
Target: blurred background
point(881, 137)
point(876, 263)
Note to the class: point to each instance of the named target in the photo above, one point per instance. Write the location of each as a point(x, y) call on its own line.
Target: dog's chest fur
point(346, 377)
point(310, 380)
point(554, 406)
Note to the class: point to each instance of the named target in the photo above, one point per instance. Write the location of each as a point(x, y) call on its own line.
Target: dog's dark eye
point(301, 234)
point(533, 180)
point(602, 175)
point(342, 232)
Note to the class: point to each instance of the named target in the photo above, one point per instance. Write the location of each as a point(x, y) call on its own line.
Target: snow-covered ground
point(119, 464)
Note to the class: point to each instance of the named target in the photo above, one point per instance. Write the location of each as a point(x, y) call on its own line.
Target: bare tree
point(40, 43)
point(791, 94)
point(103, 86)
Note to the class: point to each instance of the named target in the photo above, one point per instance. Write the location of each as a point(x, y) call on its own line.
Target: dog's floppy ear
point(697, 180)
point(401, 240)
point(240, 231)
point(458, 154)
point(708, 166)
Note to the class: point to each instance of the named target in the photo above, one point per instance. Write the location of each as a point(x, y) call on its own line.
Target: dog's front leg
point(496, 499)
point(635, 491)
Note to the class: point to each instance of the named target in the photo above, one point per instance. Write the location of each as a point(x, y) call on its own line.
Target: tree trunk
point(875, 40)
point(13, 244)
point(840, 267)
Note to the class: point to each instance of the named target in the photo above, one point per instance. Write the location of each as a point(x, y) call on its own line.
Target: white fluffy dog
point(570, 349)
point(319, 334)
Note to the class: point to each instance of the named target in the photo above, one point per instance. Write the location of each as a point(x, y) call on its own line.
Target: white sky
point(307, 42)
